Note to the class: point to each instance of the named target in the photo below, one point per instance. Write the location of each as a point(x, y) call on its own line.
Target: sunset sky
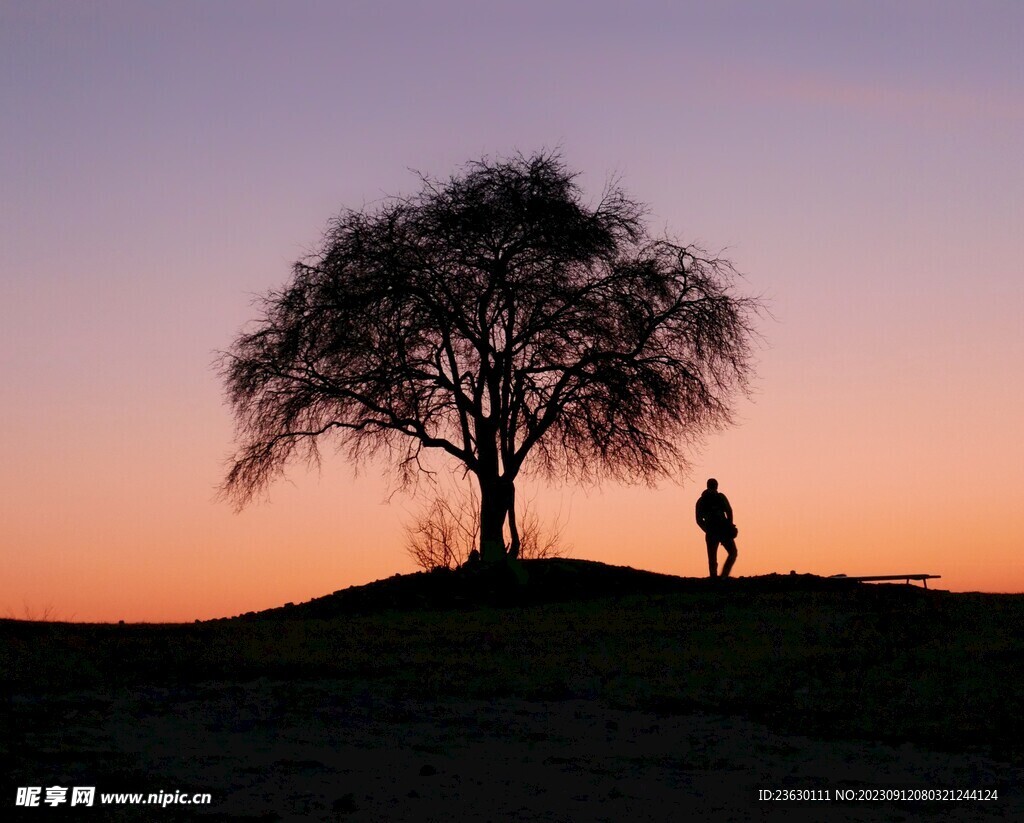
point(163, 163)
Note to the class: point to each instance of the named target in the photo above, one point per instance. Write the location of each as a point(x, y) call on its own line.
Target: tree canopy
point(499, 319)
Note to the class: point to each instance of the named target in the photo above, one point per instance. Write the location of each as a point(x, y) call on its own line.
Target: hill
point(555, 580)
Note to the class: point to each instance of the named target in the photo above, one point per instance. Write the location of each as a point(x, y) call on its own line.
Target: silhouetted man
point(714, 516)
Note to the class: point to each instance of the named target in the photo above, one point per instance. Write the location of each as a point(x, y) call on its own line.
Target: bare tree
point(497, 318)
point(446, 532)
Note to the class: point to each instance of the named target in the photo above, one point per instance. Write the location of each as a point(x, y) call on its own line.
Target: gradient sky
point(161, 163)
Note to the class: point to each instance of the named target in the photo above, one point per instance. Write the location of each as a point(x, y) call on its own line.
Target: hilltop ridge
point(547, 581)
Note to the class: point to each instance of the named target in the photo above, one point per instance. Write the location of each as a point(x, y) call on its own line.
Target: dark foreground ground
point(592, 693)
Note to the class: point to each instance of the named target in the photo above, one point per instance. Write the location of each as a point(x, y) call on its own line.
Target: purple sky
point(162, 163)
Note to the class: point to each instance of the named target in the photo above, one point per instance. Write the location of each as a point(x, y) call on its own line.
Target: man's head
point(713, 484)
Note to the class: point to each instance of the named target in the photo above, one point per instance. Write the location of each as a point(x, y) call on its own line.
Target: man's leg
point(712, 542)
point(730, 547)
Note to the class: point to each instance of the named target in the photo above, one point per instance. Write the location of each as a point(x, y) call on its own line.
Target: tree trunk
point(493, 497)
point(513, 525)
point(493, 511)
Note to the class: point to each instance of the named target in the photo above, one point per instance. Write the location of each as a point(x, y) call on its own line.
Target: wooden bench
point(870, 578)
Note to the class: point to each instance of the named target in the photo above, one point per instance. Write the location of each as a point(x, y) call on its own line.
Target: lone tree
point(500, 319)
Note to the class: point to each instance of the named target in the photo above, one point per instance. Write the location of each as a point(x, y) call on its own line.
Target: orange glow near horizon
point(142, 539)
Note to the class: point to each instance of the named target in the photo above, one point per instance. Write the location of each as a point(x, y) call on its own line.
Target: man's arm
point(700, 516)
point(727, 508)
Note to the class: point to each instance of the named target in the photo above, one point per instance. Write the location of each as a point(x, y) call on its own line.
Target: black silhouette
point(714, 516)
point(494, 316)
